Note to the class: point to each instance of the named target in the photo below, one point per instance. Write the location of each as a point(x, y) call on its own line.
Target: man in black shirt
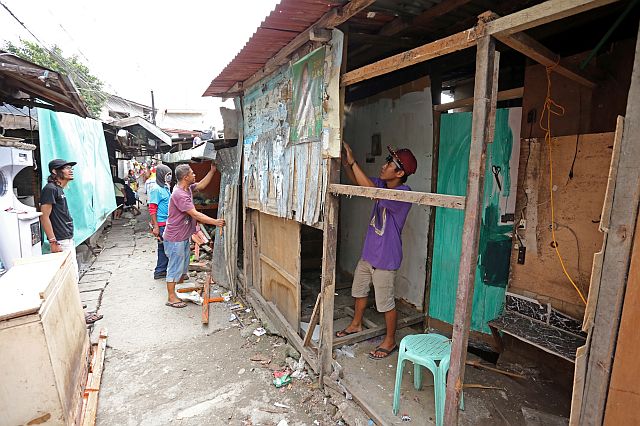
point(56, 219)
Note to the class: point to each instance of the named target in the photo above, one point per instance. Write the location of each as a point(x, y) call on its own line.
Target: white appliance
point(20, 224)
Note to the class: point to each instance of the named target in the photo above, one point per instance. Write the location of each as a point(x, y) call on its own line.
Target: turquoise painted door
point(497, 217)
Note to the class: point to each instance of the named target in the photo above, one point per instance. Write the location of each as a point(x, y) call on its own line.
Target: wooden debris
point(190, 289)
point(200, 266)
point(90, 396)
point(495, 370)
point(312, 322)
point(479, 386)
point(205, 302)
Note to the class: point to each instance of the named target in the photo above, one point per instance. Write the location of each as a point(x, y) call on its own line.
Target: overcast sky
point(134, 46)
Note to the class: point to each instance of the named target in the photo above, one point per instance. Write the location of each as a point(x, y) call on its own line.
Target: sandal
point(92, 317)
point(386, 352)
point(176, 304)
point(345, 333)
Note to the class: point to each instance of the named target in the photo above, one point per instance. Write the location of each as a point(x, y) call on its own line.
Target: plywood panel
point(623, 390)
point(578, 206)
point(279, 254)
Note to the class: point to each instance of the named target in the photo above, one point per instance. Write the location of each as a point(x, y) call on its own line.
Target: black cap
point(59, 163)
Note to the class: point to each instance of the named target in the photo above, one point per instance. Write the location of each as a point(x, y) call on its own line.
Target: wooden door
point(278, 253)
point(501, 176)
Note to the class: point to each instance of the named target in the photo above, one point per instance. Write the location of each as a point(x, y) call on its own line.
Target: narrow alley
point(164, 367)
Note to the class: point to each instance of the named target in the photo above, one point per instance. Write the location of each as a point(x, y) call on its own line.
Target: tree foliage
point(89, 86)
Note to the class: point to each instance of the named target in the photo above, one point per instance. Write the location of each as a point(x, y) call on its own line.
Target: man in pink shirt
point(181, 224)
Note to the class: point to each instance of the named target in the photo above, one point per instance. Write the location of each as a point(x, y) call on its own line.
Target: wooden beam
point(312, 322)
point(615, 265)
point(480, 128)
point(328, 283)
point(531, 48)
point(422, 198)
point(541, 14)
point(273, 264)
point(377, 331)
point(452, 43)
point(384, 41)
point(361, 400)
point(93, 385)
point(280, 322)
point(505, 95)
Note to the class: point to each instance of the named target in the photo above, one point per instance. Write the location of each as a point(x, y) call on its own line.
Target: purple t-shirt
point(180, 226)
point(383, 243)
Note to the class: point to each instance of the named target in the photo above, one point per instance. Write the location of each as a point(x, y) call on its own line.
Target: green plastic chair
point(433, 352)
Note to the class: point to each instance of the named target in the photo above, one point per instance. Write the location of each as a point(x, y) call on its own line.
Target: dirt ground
point(164, 367)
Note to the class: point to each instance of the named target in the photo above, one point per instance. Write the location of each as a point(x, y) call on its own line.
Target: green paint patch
point(495, 238)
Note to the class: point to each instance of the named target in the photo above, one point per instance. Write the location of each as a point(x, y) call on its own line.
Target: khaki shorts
point(383, 283)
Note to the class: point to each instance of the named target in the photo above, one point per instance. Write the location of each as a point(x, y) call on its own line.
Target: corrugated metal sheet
point(288, 19)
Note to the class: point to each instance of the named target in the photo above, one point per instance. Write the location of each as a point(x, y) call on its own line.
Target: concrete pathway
point(163, 367)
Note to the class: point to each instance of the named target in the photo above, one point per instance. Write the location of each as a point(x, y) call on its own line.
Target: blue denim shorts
point(178, 254)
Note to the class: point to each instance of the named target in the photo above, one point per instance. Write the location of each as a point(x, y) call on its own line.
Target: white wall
point(406, 122)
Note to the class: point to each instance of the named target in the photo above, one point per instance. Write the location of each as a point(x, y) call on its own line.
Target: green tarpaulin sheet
point(90, 195)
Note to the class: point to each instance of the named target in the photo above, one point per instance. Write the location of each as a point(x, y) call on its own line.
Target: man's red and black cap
point(405, 158)
point(59, 163)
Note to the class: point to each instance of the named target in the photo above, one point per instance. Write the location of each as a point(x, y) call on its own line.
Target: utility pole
point(153, 109)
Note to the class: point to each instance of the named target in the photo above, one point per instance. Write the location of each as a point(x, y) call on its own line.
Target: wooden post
point(615, 264)
point(330, 241)
point(436, 99)
point(328, 287)
point(482, 106)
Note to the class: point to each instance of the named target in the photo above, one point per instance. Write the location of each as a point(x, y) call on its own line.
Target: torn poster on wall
point(308, 83)
point(283, 178)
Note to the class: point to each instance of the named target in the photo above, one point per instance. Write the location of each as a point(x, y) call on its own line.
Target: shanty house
point(527, 174)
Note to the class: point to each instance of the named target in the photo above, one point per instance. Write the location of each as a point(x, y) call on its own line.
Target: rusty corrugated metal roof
point(288, 19)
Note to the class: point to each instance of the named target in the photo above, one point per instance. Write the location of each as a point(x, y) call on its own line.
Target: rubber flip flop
point(345, 333)
point(386, 352)
point(176, 304)
point(92, 317)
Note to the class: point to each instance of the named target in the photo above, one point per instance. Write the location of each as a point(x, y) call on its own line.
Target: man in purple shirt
point(382, 251)
point(181, 224)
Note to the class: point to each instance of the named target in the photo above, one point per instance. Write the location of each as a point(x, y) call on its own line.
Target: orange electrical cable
point(551, 107)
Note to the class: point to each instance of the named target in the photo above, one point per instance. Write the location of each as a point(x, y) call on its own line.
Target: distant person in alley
point(159, 211)
point(382, 251)
point(181, 224)
point(56, 219)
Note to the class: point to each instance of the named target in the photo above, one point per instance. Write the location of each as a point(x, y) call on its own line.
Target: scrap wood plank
point(267, 309)
point(617, 256)
point(90, 408)
point(349, 311)
point(205, 301)
point(377, 331)
point(357, 398)
point(315, 315)
point(200, 266)
point(415, 197)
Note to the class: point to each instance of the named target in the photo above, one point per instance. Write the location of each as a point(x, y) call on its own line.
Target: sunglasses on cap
point(393, 158)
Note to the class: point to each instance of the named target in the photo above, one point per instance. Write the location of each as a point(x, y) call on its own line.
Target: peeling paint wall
point(402, 121)
point(280, 178)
